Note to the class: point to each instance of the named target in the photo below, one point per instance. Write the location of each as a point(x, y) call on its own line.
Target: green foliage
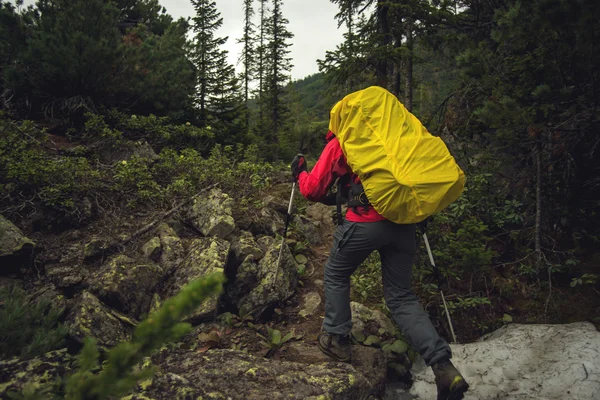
point(27, 167)
point(585, 279)
point(366, 281)
point(466, 248)
point(28, 328)
point(466, 303)
point(57, 64)
point(117, 374)
point(274, 339)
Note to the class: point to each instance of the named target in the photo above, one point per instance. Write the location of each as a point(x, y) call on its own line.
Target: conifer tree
point(279, 66)
point(216, 81)
point(248, 58)
point(261, 68)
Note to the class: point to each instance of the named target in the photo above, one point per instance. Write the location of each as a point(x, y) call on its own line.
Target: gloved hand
point(298, 166)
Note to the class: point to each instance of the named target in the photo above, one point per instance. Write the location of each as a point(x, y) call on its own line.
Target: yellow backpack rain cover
point(407, 173)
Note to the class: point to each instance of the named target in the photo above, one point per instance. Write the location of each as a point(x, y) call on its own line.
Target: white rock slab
point(525, 362)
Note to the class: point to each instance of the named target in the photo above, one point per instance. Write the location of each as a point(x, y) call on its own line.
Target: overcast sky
point(311, 21)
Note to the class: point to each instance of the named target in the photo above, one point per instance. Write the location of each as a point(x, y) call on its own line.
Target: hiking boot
point(335, 346)
point(450, 383)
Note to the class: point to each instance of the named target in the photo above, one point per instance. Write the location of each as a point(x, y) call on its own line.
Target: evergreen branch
point(118, 376)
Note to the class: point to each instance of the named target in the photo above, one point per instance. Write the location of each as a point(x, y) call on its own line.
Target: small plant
point(585, 279)
point(28, 328)
point(117, 375)
point(366, 282)
point(274, 339)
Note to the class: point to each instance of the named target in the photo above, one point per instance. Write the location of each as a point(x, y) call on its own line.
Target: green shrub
point(28, 328)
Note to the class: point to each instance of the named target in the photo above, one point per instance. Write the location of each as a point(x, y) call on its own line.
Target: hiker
point(363, 231)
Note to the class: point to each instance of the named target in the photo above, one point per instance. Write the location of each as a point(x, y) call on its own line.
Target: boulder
point(230, 374)
point(152, 249)
point(308, 229)
point(525, 362)
point(126, 284)
point(367, 361)
point(269, 222)
point(255, 289)
point(324, 215)
point(68, 277)
point(39, 372)
point(311, 302)
point(374, 328)
point(204, 256)
point(90, 318)
point(212, 216)
point(245, 245)
point(171, 248)
point(15, 248)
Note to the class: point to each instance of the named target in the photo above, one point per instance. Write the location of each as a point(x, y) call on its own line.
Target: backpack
point(407, 174)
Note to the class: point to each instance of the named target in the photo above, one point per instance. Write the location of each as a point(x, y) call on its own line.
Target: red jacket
point(331, 165)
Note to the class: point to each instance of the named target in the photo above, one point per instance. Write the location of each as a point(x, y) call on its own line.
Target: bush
point(28, 328)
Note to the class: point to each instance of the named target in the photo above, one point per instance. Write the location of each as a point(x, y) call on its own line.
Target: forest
point(116, 120)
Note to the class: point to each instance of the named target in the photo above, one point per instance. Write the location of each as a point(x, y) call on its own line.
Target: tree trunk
point(409, 64)
point(381, 69)
point(538, 201)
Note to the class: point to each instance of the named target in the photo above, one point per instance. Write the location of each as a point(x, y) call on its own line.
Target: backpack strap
point(340, 198)
point(357, 197)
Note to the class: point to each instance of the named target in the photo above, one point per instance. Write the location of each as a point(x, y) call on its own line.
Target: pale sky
point(311, 21)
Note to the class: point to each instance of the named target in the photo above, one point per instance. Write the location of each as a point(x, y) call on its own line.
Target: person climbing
point(362, 231)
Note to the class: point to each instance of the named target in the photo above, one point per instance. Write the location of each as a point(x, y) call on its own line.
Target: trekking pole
point(285, 229)
point(436, 272)
point(288, 217)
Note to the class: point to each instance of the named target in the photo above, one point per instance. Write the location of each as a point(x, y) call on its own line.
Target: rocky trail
point(257, 340)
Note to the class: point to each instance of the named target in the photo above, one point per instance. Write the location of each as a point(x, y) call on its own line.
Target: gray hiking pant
point(353, 243)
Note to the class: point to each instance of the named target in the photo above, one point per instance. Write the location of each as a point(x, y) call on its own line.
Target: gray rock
point(319, 212)
point(229, 374)
point(40, 371)
point(127, 284)
point(260, 288)
point(152, 249)
point(245, 245)
point(70, 277)
point(308, 229)
point(172, 253)
point(90, 318)
point(204, 256)
point(525, 362)
point(311, 301)
point(270, 222)
point(94, 247)
point(15, 248)
point(212, 216)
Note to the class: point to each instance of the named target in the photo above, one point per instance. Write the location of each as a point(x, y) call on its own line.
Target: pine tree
point(279, 65)
point(261, 69)
point(248, 58)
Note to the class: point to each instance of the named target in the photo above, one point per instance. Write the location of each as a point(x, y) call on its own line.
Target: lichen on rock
point(127, 284)
point(212, 216)
point(204, 256)
point(90, 318)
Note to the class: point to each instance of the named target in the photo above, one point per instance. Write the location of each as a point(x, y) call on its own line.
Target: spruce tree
point(261, 69)
point(279, 66)
point(248, 58)
point(215, 77)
